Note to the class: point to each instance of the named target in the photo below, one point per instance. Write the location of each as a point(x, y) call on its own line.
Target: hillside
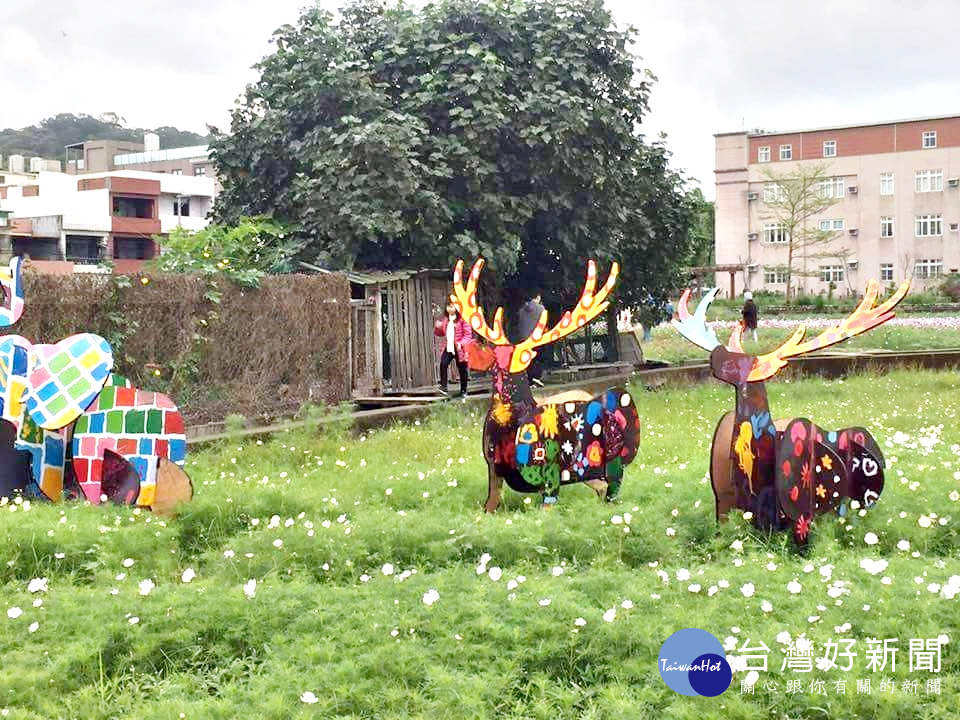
point(48, 137)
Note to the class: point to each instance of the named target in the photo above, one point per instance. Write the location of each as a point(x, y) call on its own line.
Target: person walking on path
point(527, 320)
point(749, 314)
point(457, 334)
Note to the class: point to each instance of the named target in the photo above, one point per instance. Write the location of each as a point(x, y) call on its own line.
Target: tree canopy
point(395, 137)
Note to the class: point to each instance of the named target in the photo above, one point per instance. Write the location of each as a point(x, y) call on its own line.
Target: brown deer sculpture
point(537, 447)
point(788, 471)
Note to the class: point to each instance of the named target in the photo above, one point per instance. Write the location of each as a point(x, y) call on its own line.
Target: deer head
point(507, 359)
point(732, 365)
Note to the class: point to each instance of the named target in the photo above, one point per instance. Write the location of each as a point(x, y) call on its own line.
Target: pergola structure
point(700, 271)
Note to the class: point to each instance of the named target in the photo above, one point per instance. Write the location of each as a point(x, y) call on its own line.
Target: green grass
point(325, 618)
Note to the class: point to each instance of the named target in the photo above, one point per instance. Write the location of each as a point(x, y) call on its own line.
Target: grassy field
point(356, 576)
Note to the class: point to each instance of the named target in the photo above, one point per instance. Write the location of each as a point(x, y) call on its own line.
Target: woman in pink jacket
point(457, 334)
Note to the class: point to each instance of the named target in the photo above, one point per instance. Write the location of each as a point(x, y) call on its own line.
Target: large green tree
point(395, 137)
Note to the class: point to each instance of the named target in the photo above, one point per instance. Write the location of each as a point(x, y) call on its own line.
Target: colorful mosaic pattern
point(66, 377)
point(138, 425)
point(11, 305)
point(537, 448)
point(787, 476)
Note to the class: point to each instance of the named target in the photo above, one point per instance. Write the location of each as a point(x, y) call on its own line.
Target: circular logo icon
point(693, 662)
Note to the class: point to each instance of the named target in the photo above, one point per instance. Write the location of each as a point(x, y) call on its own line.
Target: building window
point(929, 225)
point(886, 183)
point(774, 233)
point(831, 273)
point(832, 188)
point(924, 269)
point(929, 181)
point(831, 225)
point(181, 206)
point(763, 153)
point(886, 272)
point(929, 138)
point(775, 276)
point(886, 227)
point(786, 152)
point(200, 170)
point(132, 207)
point(773, 192)
point(176, 171)
point(829, 148)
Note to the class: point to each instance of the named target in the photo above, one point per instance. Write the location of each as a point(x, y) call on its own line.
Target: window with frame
point(832, 187)
point(176, 171)
point(929, 138)
point(200, 170)
point(786, 152)
point(181, 207)
point(775, 276)
point(886, 183)
point(929, 225)
point(775, 233)
point(886, 272)
point(829, 148)
point(763, 153)
point(929, 181)
point(831, 273)
point(925, 269)
point(831, 225)
point(773, 192)
point(886, 227)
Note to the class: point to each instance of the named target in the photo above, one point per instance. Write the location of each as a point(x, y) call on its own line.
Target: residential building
point(68, 223)
point(896, 215)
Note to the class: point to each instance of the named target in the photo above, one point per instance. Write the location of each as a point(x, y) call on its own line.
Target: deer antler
point(865, 317)
point(694, 327)
point(464, 299)
point(588, 307)
point(733, 342)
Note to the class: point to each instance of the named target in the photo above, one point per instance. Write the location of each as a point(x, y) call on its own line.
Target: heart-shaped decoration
point(66, 377)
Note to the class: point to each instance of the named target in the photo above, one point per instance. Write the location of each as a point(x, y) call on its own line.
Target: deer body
point(788, 471)
point(537, 447)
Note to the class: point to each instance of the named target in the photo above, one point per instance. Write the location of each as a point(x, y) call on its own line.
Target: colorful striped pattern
point(66, 377)
point(138, 425)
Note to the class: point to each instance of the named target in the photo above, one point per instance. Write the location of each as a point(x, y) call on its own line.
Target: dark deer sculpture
point(786, 472)
point(537, 447)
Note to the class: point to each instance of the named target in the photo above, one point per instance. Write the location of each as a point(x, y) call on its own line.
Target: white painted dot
point(625, 399)
point(565, 475)
point(570, 407)
point(597, 429)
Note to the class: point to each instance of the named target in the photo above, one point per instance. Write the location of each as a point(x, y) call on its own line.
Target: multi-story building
point(68, 223)
point(896, 187)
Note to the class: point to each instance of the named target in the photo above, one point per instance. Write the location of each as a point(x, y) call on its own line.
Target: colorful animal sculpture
point(537, 447)
point(55, 397)
point(789, 471)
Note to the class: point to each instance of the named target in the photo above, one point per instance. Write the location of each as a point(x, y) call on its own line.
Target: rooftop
point(181, 153)
point(759, 132)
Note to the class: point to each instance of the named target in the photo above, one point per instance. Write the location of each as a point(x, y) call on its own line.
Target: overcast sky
point(722, 66)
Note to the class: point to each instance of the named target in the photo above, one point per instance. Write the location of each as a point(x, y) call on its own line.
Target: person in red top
point(457, 334)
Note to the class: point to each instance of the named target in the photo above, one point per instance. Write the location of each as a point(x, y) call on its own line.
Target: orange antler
point(464, 299)
point(588, 307)
point(865, 317)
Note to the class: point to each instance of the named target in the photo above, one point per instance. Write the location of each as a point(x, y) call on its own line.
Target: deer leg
point(551, 485)
point(494, 485)
point(599, 487)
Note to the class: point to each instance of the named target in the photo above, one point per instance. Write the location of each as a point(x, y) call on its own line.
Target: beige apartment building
point(896, 215)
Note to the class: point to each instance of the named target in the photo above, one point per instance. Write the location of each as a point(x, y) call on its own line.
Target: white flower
point(485, 558)
point(544, 602)
point(14, 612)
point(752, 677)
point(783, 638)
point(874, 567)
point(512, 585)
point(747, 590)
point(766, 606)
point(616, 520)
point(793, 587)
point(729, 643)
point(128, 562)
point(903, 545)
point(481, 568)
point(954, 495)
point(923, 521)
point(188, 575)
point(557, 571)
point(610, 614)
point(579, 622)
point(695, 588)
point(683, 574)
point(712, 590)
point(278, 543)
point(37, 585)
point(146, 586)
point(430, 597)
point(495, 573)
point(871, 538)
point(250, 588)
point(771, 566)
point(724, 584)
point(387, 569)
point(34, 626)
point(627, 604)
point(309, 698)
point(228, 554)
point(737, 545)
point(133, 620)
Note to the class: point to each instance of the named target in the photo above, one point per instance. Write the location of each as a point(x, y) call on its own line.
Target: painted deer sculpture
point(70, 427)
point(786, 472)
point(538, 446)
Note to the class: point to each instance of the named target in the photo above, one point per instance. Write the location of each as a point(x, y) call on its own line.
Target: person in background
point(457, 334)
point(527, 320)
point(749, 314)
